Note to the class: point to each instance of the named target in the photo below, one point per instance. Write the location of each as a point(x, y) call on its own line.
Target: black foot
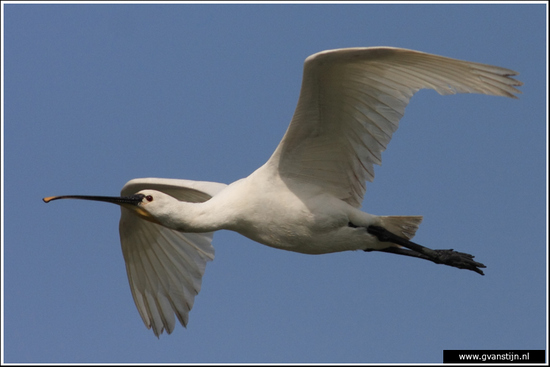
point(452, 258)
point(459, 260)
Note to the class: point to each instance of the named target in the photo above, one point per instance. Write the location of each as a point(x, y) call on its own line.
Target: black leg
point(401, 251)
point(448, 257)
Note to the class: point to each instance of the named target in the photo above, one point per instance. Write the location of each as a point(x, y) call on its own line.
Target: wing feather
point(164, 266)
point(351, 103)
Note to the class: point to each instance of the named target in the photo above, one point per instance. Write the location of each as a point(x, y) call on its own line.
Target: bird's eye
point(149, 198)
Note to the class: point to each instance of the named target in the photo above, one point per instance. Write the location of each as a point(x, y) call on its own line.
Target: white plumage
point(306, 197)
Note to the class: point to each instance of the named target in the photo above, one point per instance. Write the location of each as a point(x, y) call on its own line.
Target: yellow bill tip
point(48, 199)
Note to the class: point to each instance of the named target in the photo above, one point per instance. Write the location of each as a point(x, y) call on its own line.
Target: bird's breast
point(287, 215)
point(287, 222)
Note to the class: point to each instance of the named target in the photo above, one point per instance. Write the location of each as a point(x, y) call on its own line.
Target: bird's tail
point(404, 226)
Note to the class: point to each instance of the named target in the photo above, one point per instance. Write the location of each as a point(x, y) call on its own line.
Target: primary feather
point(164, 266)
point(350, 105)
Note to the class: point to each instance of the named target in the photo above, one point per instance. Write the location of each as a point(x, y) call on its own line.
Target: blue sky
point(96, 95)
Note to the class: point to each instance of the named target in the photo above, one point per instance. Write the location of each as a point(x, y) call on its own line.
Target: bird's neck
point(194, 217)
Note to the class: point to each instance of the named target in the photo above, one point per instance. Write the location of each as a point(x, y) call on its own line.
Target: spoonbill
point(306, 198)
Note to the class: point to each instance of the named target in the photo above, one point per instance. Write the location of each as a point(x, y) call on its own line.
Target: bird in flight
point(306, 198)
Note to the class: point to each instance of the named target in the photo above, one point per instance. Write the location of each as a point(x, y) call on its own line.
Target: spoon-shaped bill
point(120, 200)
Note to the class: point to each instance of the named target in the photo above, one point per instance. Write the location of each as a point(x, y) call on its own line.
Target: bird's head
point(156, 206)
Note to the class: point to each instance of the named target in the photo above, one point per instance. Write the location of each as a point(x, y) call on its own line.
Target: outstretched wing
point(165, 267)
point(351, 102)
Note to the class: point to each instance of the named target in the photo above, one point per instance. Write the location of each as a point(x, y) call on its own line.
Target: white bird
point(306, 197)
